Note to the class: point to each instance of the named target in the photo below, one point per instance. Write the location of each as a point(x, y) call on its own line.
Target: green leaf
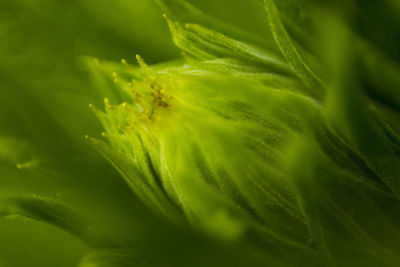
point(289, 51)
point(54, 213)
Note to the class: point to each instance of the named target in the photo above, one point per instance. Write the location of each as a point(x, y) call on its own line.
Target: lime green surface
point(173, 133)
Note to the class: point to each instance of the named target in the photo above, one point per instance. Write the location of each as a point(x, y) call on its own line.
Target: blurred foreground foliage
point(262, 133)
